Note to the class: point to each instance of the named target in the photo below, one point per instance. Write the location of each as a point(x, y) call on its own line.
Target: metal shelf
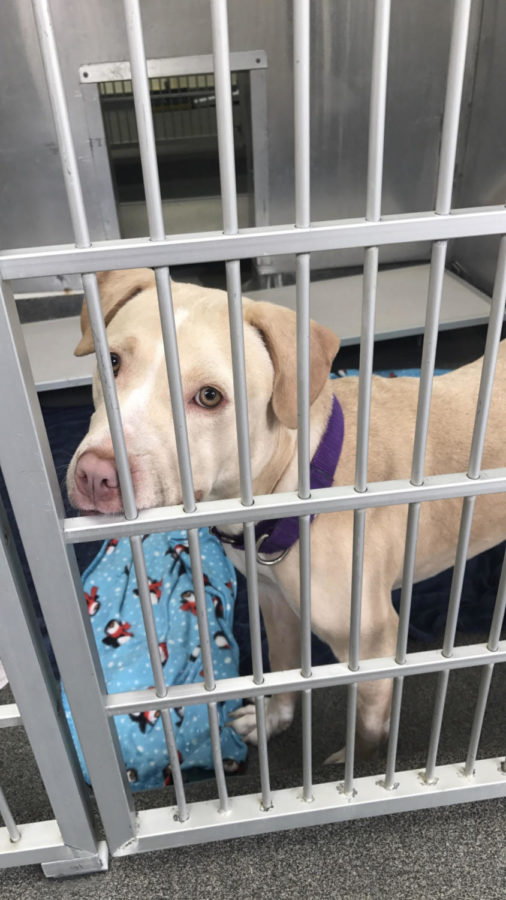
point(335, 302)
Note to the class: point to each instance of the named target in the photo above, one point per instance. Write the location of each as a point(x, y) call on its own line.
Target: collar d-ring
point(268, 562)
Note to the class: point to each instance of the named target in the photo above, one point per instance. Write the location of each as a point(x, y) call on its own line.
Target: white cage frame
point(68, 845)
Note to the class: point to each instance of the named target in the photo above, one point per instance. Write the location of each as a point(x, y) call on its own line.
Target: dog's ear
point(116, 288)
point(277, 326)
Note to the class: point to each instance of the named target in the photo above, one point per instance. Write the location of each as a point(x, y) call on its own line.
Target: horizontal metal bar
point(168, 67)
point(10, 715)
point(421, 663)
point(251, 242)
point(39, 842)
point(289, 810)
point(273, 506)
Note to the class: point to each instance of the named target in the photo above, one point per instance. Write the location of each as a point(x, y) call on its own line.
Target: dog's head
point(131, 314)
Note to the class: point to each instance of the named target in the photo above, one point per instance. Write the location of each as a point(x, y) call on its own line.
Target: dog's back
point(393, 416)
point(453, 408)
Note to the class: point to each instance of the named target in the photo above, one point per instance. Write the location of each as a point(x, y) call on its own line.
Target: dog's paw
point(244, 722)
point(278, 717)
point(365, 750)
point(336, 759)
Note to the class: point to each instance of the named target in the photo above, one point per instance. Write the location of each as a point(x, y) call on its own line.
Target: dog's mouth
point(116, 508)
point(93, 487)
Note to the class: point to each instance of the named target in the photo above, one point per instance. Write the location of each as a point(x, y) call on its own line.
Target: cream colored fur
point(204, 346)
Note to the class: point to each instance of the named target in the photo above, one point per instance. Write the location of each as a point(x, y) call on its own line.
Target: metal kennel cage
point(68, 843)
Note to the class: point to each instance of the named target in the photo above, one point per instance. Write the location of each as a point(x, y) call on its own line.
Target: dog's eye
point(209, 397)
point(115, 362)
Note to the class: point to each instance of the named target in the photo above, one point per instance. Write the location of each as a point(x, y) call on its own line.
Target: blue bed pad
point(110, 592)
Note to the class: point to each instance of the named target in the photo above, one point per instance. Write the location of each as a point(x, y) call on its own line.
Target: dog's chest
point(238, 560)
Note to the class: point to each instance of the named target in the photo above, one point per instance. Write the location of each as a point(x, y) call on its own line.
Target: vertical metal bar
point(356, 589)
point(207, 663)
point(253, 604)
point(61, 120)
point(175, 386)
point(82, 238)
point(486, 675)
point(499, 611)
point(78, 212)
point(263, 759)
point(479, 714)
point(437, 721)
point(110, 395)
point(373, 212)
point(480, 424)
point(214, 729)
point(402, 638)
point(395, 717)
point(157, 669)
point(496, 320)
point(257, 661)
point(301, 45)
point(301, 56)
point(437, 268)
point(154, 207)
point(370, 277)
point(224, 121)
point(144, 119)
point(55, 574)
point(303, 364)
point(453, 99)
point(351, 728)
point(38, 700)
point(224, 117)
point(259, 145)
point(8, 819)
point(147, 613)
point(200, 600)
point(466, 522)
point(407, 582)
point(226, 155)
point(234, 292)
point(305, 644)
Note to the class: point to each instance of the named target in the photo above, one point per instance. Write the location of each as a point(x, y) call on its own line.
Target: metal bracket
point(78, 865)
point(246, 60)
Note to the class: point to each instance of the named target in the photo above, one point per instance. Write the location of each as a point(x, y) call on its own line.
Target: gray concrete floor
point(449, 852)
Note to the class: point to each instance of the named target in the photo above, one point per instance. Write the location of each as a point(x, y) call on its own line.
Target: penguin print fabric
point(112, 600)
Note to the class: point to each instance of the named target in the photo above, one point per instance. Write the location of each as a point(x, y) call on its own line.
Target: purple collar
point(278, 535)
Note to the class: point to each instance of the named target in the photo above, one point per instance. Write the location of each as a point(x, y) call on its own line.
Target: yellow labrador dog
point(133, 327)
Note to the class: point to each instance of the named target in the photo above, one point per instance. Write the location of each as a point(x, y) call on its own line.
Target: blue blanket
point(110, 591)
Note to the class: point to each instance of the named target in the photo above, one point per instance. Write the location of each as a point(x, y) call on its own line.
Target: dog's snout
point(97, 479)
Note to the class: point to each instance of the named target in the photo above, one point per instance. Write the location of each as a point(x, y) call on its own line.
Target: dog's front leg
point(283, 634)
point(374, 698)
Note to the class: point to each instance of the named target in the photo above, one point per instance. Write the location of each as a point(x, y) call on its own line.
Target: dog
point(133, 326)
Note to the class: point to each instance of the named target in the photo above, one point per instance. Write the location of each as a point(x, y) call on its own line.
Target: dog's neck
point(280, 472)
point(325, 449)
